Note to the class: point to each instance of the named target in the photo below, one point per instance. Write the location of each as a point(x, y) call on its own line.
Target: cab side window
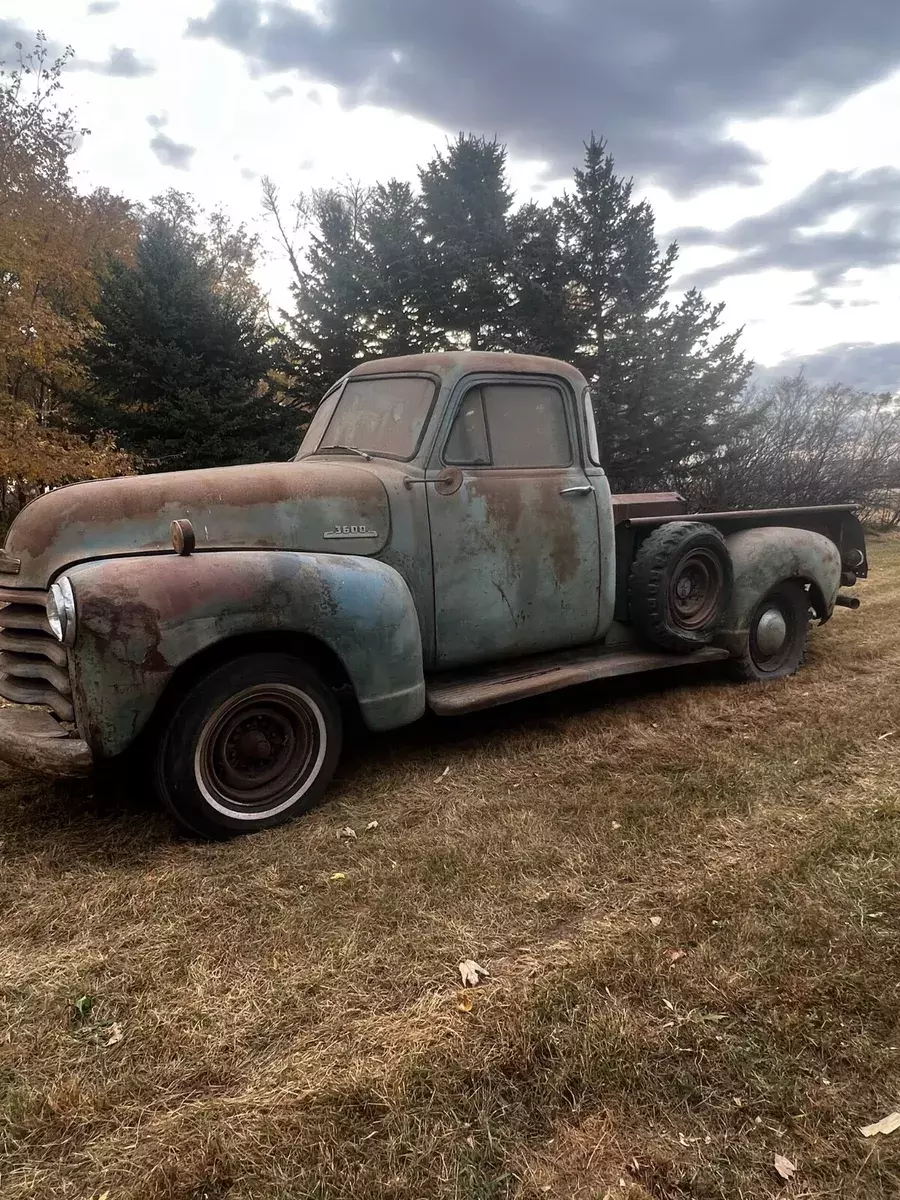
point(467, 444)
point(510, 425)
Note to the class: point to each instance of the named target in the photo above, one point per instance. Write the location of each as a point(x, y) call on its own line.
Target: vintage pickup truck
point(445, 538)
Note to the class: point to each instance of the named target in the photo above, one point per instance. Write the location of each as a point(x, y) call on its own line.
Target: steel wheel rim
point(695, 590)
point(775, 660)
point(260, 751)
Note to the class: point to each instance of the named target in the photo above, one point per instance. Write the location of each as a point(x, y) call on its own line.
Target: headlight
point(61, 612)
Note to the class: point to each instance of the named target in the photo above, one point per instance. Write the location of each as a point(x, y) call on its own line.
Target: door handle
point(581, 489)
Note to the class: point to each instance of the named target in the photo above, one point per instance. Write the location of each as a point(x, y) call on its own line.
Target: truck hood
point(332, 507)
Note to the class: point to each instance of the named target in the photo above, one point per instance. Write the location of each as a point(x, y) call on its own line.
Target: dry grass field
point(687, 894)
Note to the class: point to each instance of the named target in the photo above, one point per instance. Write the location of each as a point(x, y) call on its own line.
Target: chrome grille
point(33, 665)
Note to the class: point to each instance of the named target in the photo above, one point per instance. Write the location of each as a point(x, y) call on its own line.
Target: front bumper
point(35, 741)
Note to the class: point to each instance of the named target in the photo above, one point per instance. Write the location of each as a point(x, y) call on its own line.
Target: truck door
point(515, 547)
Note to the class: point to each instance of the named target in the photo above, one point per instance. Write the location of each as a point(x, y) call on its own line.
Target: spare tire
point(680, 585)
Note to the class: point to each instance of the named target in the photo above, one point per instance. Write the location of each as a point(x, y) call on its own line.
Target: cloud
point(247, 173)
point(99, 8)
point(800, 235)
point(13, 32)
point(662, 79)
point(122, 62)
point(169, 152)
point(871, 366)
point(279, 93)
point(10, 33)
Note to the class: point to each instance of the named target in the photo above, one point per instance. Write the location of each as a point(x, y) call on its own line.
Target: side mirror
point(448, 481)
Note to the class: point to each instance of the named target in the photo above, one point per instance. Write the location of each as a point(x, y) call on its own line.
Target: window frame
point(449, 462)
point(426, 422)
point(479, 382)
point(333, 394)
point(592, 442)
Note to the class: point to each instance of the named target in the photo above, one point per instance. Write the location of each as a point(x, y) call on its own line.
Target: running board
point(461, 693)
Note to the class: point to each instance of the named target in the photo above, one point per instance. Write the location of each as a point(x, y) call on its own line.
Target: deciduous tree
point(51, 242)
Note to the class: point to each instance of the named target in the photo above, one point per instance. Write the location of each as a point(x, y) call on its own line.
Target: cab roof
point(456, 363)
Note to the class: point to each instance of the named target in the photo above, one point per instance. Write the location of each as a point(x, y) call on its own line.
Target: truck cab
point(500, 512)
point(445, 537)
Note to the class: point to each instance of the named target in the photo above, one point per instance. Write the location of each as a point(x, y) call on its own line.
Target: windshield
point(378, 416)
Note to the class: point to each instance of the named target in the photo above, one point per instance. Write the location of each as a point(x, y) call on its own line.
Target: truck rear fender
point(767, 556)
point(142, 620)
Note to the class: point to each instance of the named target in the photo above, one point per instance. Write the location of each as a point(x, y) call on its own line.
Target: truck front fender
point(140, 619)
point(767, 556)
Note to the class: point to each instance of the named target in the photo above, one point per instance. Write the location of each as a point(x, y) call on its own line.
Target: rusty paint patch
point(141, 618)
point(559, 519)
point(503, 499)
point(287, 505)
point(470, 362)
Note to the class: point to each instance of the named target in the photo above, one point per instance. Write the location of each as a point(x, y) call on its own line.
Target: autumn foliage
point(52, 242)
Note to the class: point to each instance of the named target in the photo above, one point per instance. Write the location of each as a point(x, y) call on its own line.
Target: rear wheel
point(777, 637)
point(251, 745)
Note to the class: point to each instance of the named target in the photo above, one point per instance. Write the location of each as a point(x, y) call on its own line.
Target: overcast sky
point(764, 132)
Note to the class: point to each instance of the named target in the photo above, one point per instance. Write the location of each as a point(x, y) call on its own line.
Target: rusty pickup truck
point(444, 539)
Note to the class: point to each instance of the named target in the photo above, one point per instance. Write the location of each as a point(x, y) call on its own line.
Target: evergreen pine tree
point(465, 205)
point(665, 379)
point(395, 268)
point(176, 366)
point(329, 328)
point(539, 319)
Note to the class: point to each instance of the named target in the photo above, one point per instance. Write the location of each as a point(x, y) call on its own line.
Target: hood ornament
point(183, 538)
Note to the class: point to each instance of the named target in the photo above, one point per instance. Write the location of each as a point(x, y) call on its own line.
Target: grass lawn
point(686, 892)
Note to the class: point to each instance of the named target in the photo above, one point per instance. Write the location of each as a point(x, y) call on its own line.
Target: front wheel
point(251, 745)
point(777, 637)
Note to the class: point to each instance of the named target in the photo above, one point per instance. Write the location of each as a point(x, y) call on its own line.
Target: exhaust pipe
point(847, 601)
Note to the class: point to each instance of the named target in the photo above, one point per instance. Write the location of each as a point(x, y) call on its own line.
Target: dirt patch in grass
point(687, 895)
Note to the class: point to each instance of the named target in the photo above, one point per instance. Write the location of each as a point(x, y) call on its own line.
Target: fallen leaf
point(371, 825)
point(784, 1166)
point(463, 1001)
point(655, 921)
point(339, 875)
point(674, 955)
point(471, 973)
point(886, 1125)
point(616, 825)
point(446, 771)
point(115, 1034)
point(347, 832)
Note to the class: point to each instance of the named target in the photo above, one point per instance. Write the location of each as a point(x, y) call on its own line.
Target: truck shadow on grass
point(110, 819)
point(539, 713)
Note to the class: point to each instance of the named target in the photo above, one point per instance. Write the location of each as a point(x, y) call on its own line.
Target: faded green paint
point(767, 556)
point(140, 619)
point(291, 506)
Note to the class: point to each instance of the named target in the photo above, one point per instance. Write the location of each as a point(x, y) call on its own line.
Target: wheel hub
point(695, 590)
point(254, 745)
point(771, 631)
